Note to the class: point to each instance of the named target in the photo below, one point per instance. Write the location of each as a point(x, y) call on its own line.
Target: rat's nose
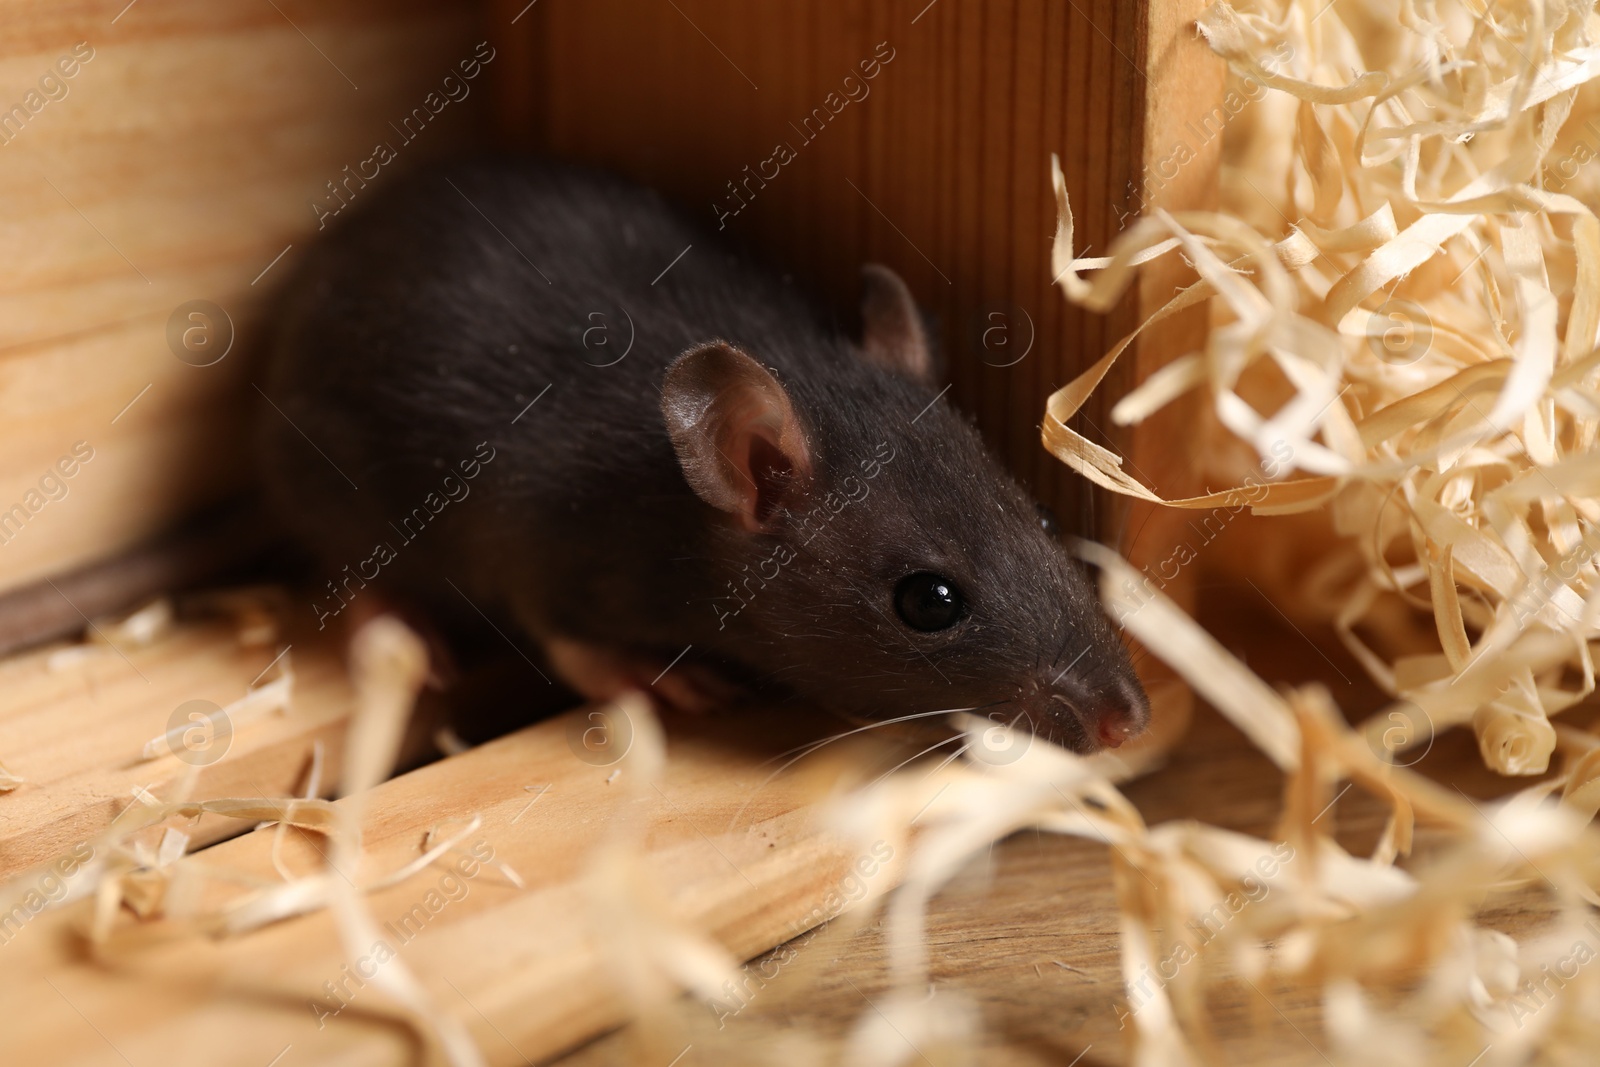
point(1125, 714)
point(1113, 730)
point(1108, 715)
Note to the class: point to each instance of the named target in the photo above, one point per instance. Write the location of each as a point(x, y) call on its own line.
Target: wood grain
point(75, 732)
point(182, 160)
point(521, 968)
point(167, 154)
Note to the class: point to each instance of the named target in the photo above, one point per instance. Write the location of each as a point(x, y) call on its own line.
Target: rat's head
point(873, 557)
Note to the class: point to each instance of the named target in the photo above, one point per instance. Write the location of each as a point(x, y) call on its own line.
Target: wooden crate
point(192, 159)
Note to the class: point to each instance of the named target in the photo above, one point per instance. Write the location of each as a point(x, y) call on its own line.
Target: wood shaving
point(257, 611)
point(390, 664)
point(915, 1029)
point(274, 696)
point(449, 742)
point(140, 628)
point(1424, 333)
point(650, 952)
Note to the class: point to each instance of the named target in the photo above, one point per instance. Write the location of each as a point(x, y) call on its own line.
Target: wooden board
point(177, 163)
point(519, 967)
point(74, 721)
point(1182, 156)
point(1029, 935)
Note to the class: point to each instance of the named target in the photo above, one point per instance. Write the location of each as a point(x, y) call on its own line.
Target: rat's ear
point(892, 331)
point(735, 431)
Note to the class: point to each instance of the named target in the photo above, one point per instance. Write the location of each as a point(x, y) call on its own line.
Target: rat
point(538, 395)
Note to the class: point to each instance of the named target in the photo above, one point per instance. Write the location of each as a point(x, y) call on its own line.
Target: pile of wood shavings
point(1405, 971)
point(1424, 332)
point(1427, 331)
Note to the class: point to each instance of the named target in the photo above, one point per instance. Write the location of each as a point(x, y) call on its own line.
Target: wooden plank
point(521, 968)
point(1182, 158)
point(74, 726)
point(514, 965)
point(1183, 80)
point(182, 156)
point(213, 549)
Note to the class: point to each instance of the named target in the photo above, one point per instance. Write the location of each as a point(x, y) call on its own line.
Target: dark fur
point(395, 358)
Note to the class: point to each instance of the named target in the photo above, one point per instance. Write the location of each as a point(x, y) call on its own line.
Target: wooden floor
point(1030, 937)
point(1033, 937)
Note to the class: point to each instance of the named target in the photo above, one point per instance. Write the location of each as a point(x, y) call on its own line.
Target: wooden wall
point(939, 165)
point(188, 151)
point(176, 163)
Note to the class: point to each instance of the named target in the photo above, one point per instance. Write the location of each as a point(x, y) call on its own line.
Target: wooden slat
point(184, 157)
point(1182, 165)
point(736, 856)
point(215, 548)
point(75, 733)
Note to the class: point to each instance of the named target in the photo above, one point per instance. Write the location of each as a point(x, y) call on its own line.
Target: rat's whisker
point(1138, 534)
point(917, 756)
point(812, 746)
point(802, 751)
point(957, 754)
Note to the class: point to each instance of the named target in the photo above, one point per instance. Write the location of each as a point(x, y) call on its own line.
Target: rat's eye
point(1048, 523)
point(928, 602)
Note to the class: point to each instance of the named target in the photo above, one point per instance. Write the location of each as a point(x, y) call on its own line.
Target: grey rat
point(538, 393)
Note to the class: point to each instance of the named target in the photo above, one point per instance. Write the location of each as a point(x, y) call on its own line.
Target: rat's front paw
point(693, 687)
point(602, 674)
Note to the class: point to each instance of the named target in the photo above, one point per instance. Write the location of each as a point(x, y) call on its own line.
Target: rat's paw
point(602, 674)
point(692, 688)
